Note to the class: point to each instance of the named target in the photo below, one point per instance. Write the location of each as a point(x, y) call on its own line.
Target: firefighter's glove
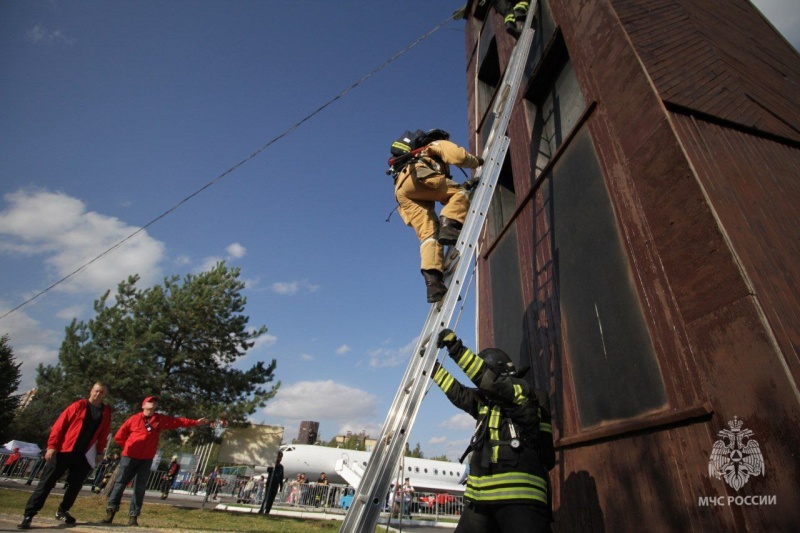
point(470, 184)
point(480, 161)
point(447, 339)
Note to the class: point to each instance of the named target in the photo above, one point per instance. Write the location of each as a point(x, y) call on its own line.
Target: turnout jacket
point(436, 160)
point(139, 442)
point(67, 428)
point(505, 466)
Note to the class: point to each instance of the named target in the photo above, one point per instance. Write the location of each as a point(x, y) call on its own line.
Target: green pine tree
point(178, 341)
point(9, 383)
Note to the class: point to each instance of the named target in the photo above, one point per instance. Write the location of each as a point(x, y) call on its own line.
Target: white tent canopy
point(25, 448)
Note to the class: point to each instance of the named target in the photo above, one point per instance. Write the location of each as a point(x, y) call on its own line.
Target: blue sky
point(113, 112)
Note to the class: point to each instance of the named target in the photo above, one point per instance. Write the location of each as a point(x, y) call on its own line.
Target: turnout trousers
point(78, 468)
point(417, 199)
point(506, 518)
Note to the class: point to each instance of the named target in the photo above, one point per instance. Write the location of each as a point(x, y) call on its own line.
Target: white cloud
point(39, 34)
point(306, 357)
point(322, 400)
point(390, 357)
point(68, 313)
point(264, 341)
point(209, 263)
point(59, 227)
point(236, 251)
point(343, 349)
point(458, 421)
point(31, 343)
point(293, 287)
point(437, 440)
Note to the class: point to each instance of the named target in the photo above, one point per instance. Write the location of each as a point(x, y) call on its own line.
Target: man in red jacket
point(78, 436)
point(11, 462)
point(139, 436)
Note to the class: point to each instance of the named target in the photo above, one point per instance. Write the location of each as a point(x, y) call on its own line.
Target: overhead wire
point(235, 167)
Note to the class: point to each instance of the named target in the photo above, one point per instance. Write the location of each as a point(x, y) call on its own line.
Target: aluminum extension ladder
point(371, 493)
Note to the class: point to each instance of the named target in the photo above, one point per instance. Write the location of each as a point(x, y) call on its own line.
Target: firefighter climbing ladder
point(371, 493)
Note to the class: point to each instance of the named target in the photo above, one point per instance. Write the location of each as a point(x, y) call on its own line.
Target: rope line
point(235, 167)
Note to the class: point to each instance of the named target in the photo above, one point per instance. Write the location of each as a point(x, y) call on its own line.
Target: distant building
point(309, 431)
point(642, 256)
point(25, 398)
point(363, 440)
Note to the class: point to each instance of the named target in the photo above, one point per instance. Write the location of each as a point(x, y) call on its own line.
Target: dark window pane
point(503, 201)
point(552, 115)
point(614, 368)
point(507, 305)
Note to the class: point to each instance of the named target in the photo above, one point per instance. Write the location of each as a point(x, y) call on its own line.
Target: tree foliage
point(179, 341)
point(416, 452)
point(9, 383)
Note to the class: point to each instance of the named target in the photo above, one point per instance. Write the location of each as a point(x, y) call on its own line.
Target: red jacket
point(13, 458)
point(137, 442)
point(68, 426)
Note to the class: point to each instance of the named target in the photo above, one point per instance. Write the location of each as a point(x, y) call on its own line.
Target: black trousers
point(77, 467)
point(508, 518)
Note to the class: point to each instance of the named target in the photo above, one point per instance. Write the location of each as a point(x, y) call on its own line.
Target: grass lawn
point(163, 516)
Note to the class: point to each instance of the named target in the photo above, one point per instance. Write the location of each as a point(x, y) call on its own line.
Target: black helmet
point(498, 361)
point(408, 141)
point(436, 135)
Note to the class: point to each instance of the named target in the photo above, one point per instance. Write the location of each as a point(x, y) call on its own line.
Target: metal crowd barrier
point(250, 490)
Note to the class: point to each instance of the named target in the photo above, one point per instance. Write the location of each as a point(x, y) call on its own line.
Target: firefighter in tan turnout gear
point(512, 447)
point(421, 170)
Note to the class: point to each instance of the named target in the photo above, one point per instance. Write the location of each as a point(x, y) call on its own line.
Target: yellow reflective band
point(521, 5)
point(470, 363)
point(507, 486)
point(544, 426)
point(510, 18)
point(444, 380)
point(506, 478)
point(494, 433)
point(401, 146)
point(519, 398)
point(506, 494)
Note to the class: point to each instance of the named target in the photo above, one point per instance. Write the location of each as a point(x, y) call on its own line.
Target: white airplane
point(348, 466)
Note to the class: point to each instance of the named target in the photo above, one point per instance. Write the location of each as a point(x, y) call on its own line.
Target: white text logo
point(736, 456)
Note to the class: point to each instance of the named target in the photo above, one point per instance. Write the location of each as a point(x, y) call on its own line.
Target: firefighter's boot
point(434, 281)
point(448, 231)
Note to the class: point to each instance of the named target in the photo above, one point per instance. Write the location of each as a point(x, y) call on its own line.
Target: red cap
point(150, 399)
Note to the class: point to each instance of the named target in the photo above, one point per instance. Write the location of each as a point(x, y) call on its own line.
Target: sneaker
point(109, 516)
point(26, 522)
point(132, 521)
point(65, 517)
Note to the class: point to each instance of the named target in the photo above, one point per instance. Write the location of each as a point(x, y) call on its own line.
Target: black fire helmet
point(498, 361)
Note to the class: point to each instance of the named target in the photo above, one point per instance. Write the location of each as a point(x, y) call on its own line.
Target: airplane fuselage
point(424, 474)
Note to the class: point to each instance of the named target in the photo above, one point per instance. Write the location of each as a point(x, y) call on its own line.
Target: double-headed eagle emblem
point(735, 456)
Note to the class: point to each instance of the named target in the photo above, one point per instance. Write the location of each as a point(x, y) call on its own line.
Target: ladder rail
point(368, 500)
